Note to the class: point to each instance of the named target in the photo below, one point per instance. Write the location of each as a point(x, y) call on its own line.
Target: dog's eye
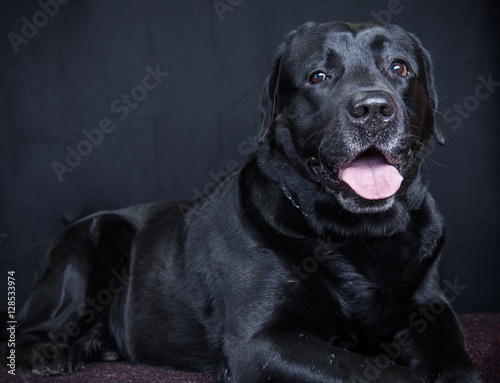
point(399, 68)
point(318, 77)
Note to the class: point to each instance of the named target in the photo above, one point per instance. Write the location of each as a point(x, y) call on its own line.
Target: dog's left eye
point(399, 68)
point(318, 77)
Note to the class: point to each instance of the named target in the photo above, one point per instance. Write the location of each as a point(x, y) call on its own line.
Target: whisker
point(438, 112)
point(436, 162)
point(311, 136)
point(423, 150)
point(319, 150)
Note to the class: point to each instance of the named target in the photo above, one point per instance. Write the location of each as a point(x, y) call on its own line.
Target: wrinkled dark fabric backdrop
point(107, 104)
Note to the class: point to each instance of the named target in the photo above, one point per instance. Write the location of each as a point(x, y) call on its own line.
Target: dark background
point(68, 75)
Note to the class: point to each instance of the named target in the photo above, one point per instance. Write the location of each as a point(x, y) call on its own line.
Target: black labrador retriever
point(318, 261)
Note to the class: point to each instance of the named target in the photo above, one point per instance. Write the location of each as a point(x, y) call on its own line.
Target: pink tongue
point(371, 177)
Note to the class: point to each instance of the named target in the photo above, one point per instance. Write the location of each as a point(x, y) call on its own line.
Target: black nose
point(372, 107)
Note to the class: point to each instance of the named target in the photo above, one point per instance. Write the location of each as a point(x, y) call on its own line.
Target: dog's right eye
point(399, 68)
point(318, 77)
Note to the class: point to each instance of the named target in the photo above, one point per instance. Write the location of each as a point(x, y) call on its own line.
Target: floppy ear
point(438, 136)
point(269, 96)
point(268, 99)
point(431, 89)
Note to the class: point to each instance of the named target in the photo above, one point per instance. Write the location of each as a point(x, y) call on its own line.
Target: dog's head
point(351, 108)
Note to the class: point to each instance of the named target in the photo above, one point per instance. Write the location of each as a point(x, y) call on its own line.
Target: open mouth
point(369, 175)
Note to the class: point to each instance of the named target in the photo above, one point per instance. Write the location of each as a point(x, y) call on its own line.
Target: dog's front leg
point(434, 346)
point(285, 353)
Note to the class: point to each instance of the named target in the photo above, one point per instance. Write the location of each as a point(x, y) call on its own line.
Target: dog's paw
point(391, 373)
point(400, 374)
point(47, 359)
point(459, 375)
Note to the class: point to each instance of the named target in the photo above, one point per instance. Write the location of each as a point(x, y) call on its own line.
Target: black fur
point(283, 273)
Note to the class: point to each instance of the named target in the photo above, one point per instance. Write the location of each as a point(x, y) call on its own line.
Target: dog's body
point(317, 262)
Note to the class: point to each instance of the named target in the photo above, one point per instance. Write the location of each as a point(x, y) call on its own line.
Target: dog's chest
point(362, 288)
